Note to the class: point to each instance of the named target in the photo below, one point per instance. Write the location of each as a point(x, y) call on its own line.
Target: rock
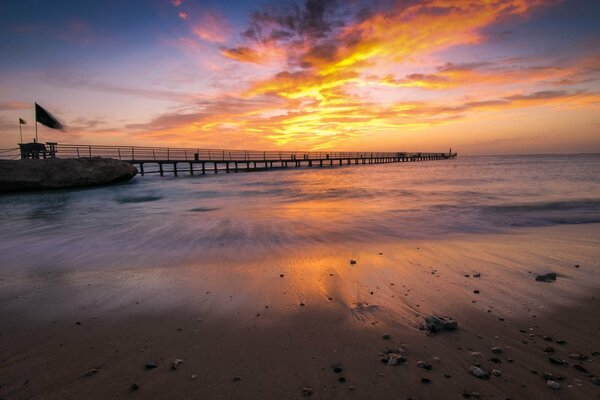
point(547, 338)
point(478, 372)
point(560, 341)
point(392, 357)
point(176, 363)
point(337, 368)
point(341, 379)
point(496, 350)
point(193, 377)
point(151, 365)
point(580, 368)
point(577, 356)
point(56, 173)
point(476, 291)
point(548, 349)
point(90, 372)
point(307, 391)
point(237, 378)
point(553, 384)
point(549, 277)
point(555, 360)
point(425, 380)
point(596, 381)
point(352, 262)
point(423, 365)
point(134, 387)
point(386, 337)
point(496, 372)
point(438, 324)
point(477, 275)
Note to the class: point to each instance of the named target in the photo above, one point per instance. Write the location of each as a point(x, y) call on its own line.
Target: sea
point(163, 221)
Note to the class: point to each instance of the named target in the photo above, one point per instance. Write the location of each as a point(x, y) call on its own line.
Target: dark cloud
point(543, 95)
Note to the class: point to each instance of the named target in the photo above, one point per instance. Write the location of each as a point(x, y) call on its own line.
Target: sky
point(480, 76)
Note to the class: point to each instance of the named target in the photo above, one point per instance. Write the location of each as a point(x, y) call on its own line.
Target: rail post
point(90, 151)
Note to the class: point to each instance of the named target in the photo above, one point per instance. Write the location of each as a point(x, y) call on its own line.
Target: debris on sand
point(549, 277)
point(553, 384)
point(478, 372)
point(176, 363)
point(438, 324)
point(307, 391)
point(392, 357)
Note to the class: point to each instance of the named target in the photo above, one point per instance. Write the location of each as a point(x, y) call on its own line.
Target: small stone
point(77, 323)
point(237, 378)
point(423, 365)
point(436, 324)
point(352, 262)
point(548, 349)
point(553, 384)
point(555, 360)
point(547, 338)
point(477, 372)
point(497, 372)
point(477, 275)
point(341, 379)
point(476, 291)
point(302, 304)
point(580, 368)
point(577, 356)
point(193, 377)
point(337, 368)
point(495, 360)
point(496, 350)
point(549, 277)
point(560, 341)
point(176, 363)
point(596, 381)
point(281, 275)
point(151, 365)
point(386, 337)
point(425, 380)
point(307, 391)
point(90, 372)
point(134, 387)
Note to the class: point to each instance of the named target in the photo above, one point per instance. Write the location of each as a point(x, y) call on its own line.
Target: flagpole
point(36, 138)
point(20, 130)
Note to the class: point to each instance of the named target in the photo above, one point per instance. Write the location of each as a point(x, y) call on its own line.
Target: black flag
point(22, 121)
point(45, 118)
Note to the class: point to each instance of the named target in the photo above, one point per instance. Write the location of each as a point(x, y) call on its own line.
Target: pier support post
point(142, 169)
point(191, 168)
point(203, 168)
point(160, 169)
point(175, 168)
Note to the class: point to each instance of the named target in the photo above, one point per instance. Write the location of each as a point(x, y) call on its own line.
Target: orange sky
point(481, 77)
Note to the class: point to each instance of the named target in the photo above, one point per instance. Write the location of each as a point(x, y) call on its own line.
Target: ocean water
point(162, 221)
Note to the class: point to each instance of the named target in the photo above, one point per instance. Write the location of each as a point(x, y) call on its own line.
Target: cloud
point(183, 15)
point(15, 105)
point(212, 27)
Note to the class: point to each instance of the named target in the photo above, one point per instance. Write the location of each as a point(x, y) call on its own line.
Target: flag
point(22, 121)
point(45, 118)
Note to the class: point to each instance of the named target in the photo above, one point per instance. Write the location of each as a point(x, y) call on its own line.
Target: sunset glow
point(510, 76)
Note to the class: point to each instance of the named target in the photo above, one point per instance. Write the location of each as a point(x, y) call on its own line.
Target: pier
point(164, 160)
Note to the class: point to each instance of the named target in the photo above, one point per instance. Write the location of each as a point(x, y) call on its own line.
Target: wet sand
point(244, 331)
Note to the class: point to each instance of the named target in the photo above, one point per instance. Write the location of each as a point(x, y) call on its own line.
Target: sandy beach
point(281, 327)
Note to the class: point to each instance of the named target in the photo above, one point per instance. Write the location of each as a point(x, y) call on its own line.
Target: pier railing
point(148, 154)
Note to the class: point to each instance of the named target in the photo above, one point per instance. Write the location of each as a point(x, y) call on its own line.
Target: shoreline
point(128, 318)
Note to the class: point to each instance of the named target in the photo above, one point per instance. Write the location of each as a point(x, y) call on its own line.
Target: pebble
point(236, 378)
point(437, 324)
point(496, 350)
point(477, 275)
point(151, 365)
point(580, 368)
point(134, 387)
point(341, 379)
point(497, 372)
point(193, 377)
point(576, 356)
point(477, 372)
point(596, 381)
point(307, 391)
point(90, 372)
point(176, 363)
point(352, 262)
point(423, 365)
point(555, 360)
point(548, 277)
point(337, 368)
point(386, 337)
point(476, 291)
point(553, 384)
point(425, 380)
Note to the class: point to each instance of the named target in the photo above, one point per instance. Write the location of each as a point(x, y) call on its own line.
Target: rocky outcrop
point(55, 173)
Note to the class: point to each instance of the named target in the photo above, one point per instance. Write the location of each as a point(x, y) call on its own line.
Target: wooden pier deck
point(162, 160)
